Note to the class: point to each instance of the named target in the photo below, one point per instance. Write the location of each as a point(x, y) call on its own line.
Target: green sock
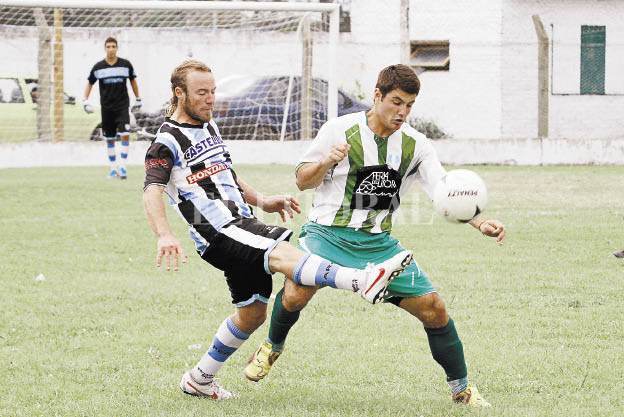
point(447, 350)
point(281, 322)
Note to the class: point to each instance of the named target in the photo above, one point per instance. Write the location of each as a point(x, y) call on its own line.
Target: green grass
point(106, 334)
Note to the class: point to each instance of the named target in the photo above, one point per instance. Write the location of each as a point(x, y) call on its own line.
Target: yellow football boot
point(260, 363)
point(470, 396)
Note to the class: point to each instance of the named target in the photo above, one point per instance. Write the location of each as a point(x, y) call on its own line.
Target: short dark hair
point(398, 76)
point(110, 39)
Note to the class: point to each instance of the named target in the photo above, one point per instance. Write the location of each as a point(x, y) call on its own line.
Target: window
point(593, 41)
point(430, 55)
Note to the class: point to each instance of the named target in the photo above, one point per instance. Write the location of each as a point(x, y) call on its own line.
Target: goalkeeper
point(112, 73)
point(360, 165)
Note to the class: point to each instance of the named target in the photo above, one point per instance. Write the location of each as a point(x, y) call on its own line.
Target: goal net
point(273, 63)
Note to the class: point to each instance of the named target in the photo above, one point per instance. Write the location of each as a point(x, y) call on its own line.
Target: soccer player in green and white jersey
point(360, 166)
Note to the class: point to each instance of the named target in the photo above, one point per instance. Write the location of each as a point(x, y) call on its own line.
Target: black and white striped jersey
point(194, 166)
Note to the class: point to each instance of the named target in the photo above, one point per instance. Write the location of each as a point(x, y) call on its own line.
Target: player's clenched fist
point(338, 153)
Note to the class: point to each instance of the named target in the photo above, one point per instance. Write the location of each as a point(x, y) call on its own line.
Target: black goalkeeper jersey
point(112, 82)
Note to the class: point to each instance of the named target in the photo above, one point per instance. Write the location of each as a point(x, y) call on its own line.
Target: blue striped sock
point(299, 268)
point(312, 270)
point(124, 148)
point(227, 340)
point(326, 274)
point(110, 150)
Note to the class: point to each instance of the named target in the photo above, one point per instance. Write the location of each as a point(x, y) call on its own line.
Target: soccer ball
point(460, 196)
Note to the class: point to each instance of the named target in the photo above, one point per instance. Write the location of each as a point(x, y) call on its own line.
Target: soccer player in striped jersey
point(189, 162)
point(111, 74)
point(361, 165)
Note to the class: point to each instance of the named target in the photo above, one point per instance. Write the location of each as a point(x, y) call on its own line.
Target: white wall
point(490, 91)
point(155, 52)
point(374, 43)
point(571, 116)
point(465, 101)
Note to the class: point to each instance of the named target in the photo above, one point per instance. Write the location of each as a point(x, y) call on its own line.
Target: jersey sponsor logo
point(206, 172)
point(376, 188)
point(112, 72)
point(113, 80)
point(378, 183)
point(200, 148)
point(156, 163)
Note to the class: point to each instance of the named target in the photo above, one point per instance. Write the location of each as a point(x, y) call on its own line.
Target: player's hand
point(137, 105)
point(88, 108)
point(169, 247)
point(285, 205)
point(337, 153)
point(493, 228)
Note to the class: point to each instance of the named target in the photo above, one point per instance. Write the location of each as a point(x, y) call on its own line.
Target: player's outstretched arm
point(311, 174)
point(285, 205)
point(489, 227)
point(168, 245)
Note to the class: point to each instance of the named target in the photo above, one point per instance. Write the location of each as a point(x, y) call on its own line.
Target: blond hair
point(178, 79)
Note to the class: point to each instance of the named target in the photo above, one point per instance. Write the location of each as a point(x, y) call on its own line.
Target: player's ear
point(377, 96)
point(179, 92)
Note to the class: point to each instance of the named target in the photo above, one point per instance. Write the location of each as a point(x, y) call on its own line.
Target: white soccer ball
point(460, 196)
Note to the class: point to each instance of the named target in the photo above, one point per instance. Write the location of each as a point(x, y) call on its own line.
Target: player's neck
point(181, 117)
point(111, 61)
point(376, 126)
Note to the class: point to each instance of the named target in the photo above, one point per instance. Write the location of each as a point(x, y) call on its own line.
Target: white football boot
point(210, 390)
point(379, 276)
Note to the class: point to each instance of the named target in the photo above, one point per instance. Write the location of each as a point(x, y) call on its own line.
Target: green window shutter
point(593, 41)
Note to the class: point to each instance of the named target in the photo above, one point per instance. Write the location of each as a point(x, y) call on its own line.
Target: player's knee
point(296, 297)
point(429, 309)
point(435, 313)
point(252, 317)
point(283, 258)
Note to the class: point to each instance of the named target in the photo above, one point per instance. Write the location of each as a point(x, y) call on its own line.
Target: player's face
point(200, 96)
point(394, 108)
point(111, 50)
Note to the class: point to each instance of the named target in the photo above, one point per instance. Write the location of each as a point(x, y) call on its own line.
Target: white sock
point(313, 270)
point(226, 341)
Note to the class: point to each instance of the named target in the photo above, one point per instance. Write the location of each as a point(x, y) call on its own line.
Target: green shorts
point(355, 248)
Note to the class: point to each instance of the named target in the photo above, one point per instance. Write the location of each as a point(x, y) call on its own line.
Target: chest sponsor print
point(206, 172)
point(200, 148)
point(376, 188)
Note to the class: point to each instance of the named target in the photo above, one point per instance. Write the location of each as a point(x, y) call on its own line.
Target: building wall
point(489, 92)
point(155, 52)
point(465, 101)
point(571, 115)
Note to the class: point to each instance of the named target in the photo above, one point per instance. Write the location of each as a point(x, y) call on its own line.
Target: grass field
point(106, 334)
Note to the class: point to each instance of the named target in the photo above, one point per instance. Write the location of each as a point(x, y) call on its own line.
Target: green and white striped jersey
point(364, 190)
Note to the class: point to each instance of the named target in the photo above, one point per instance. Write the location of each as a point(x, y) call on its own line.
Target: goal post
point(261, 58)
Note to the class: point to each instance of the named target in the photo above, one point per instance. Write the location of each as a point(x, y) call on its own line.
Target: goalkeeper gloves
point(137, 105)
point(88, 108)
